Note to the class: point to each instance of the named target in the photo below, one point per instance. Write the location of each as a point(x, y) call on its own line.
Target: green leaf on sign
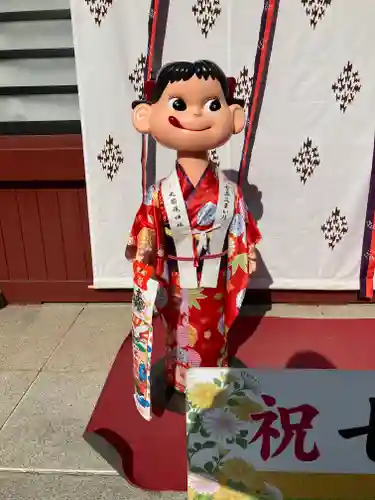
point(209, 467)
point(204, 433)
point(240, 394)
point(209, 444)
point(232, 402)
point(197, 470)
point(195, 424)
point(223, 453)
point(242, 442)
point(217, 382)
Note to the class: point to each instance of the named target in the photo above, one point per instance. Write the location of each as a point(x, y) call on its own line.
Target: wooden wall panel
point(45, 253)
point(4, 275)
point(41, 158)
point(84, 218)
point(12, 234)
point(49, 212)
point(74, 244)
point(32, 234)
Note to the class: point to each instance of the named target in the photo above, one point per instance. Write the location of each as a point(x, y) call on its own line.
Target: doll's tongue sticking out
point(174, 121)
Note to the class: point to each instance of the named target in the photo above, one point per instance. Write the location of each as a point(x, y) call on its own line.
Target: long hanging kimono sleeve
point(145, 250)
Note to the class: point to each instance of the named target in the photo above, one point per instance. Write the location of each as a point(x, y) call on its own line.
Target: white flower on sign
point(250, 382)
point(221, 424)
point(202, 485)
point(272, 492)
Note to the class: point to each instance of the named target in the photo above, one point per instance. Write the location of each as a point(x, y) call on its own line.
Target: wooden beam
point(38, 90)
point(40, 128)
point(41, 158)
point(36, 53)
point(35, 15)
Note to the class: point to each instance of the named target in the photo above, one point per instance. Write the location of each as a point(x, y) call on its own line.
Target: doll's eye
point(213, 105)
point(177, 104)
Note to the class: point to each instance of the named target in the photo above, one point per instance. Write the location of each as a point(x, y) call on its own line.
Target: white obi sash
point(211, 240)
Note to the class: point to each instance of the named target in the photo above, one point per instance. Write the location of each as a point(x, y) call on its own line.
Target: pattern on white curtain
point(99, 9)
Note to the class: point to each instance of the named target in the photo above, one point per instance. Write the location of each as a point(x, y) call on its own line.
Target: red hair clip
point(231, 86)
point(149, 89)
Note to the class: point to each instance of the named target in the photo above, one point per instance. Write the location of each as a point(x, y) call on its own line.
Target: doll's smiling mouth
point(176, 123)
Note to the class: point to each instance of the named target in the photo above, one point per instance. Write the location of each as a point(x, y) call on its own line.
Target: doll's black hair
point(184, 70)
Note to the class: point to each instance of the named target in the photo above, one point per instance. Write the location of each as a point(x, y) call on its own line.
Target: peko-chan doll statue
point(193, 241)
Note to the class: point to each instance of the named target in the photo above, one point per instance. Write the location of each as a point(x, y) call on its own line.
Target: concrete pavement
point(53, 363)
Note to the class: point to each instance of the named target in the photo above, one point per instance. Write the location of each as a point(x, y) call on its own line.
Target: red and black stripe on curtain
point(368, 247)
point(265, 42)
point(158, 18)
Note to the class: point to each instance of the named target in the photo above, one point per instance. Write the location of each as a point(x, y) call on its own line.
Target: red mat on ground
point(154, 453)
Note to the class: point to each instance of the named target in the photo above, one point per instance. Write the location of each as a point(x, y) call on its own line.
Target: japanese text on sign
point(267, 432)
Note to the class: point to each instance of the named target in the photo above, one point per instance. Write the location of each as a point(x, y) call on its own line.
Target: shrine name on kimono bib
point(212, 240)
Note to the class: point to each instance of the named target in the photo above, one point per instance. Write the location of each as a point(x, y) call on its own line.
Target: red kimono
point(197, 320)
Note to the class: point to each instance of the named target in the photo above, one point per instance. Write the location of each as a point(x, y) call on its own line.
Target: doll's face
point(190, 115)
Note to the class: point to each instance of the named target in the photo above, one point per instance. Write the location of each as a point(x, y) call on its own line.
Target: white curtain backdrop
point(311, 158)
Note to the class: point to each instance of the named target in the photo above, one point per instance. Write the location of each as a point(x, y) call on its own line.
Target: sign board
point(273, 434)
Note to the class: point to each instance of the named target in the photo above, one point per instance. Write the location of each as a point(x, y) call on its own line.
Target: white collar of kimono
point(211, 240)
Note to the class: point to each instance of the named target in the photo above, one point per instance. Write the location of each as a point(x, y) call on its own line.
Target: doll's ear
point(141, 117)
point(238, 117)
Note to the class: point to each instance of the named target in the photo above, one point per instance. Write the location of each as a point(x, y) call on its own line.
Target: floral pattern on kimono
point(196, 320)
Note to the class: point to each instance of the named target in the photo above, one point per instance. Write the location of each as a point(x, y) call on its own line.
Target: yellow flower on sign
point(191, 494)
point(225, 493)
point(245, 407)
point(239, 471)
point(207, 395)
